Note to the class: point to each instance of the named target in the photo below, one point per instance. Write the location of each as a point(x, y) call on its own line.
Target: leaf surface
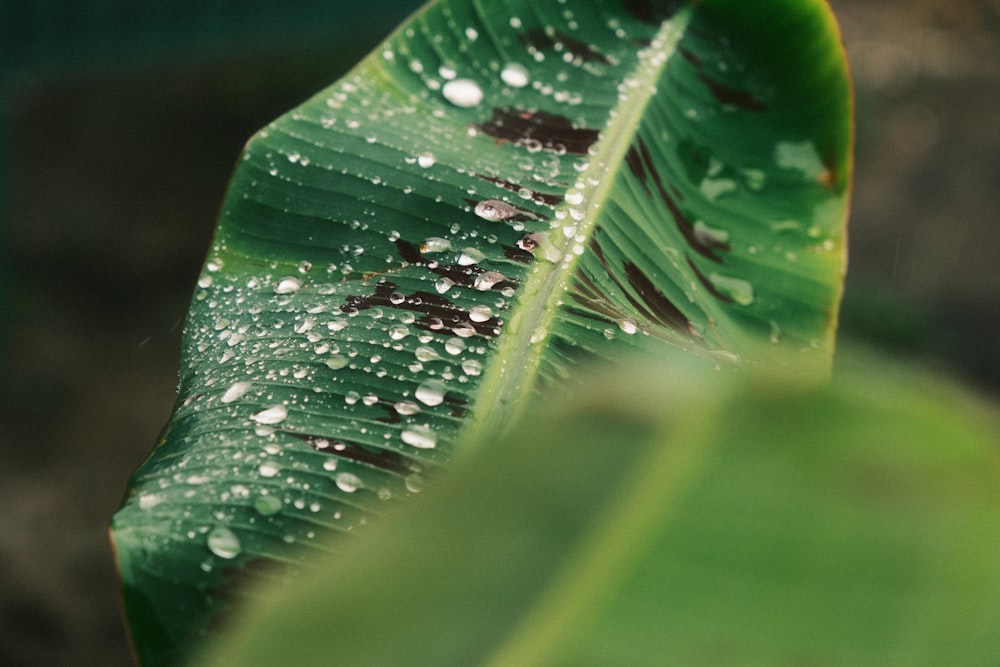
point(500, 191)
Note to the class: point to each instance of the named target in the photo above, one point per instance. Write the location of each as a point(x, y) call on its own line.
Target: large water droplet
point(236, 391)
point(431, 392)
point(486, 280)
point(462, 92)
point(348, 482)
point(426, 160)
point(425, 353)
point(422, 437)
point(336, 362)
point(223, 543)
point(628, 325)
point(414, 483)
point(407, 408)
point(274, 414)
point(288, 285)
point(469, 256)
point(267, 505)
point(268, 469)
point(494, 209)
point(435, 244)
point(480, 313)
point(515, 74)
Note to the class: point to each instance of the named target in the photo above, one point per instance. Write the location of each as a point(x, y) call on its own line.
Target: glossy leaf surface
point(670, 517)
point(500, 191)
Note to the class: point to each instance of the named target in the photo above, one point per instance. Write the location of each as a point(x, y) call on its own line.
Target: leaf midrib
point(510, 378)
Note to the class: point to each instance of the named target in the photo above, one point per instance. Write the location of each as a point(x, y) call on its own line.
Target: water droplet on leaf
point(431, 392)
point(422, 437)
point(274, 414)
point(267, 505)
point(462, 92)
point(515, 75)
point(223, 543)
point(236, 391)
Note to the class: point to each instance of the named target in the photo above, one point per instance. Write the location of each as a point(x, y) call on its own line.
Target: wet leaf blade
point(498, 192)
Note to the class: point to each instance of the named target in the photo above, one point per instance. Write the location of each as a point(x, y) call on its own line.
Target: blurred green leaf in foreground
point(669, 516)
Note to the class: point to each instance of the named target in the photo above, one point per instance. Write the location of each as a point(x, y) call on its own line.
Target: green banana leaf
point(498, 193)
point(698, 521)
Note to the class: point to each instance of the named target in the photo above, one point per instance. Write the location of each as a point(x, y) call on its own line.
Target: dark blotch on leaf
point(659, 306)
point(640, 162)
point(544, 41)
point(518, 255)
point(653, 12)
point(551, 131)
point(707, 284)
point(731, 96)
point(383, 459)
point(537, 197)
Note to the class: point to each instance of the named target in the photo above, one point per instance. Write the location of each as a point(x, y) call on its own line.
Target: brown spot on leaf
point(707, 284)
point(653, 12)
point(662, 309)
point(544, 41)
point(550, 131)
point(383, 459)
point(728, 95)
point(537, 197)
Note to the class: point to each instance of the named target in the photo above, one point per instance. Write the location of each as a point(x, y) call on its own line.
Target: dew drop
point(494, 209)
point(399, 332)
point(628, 325)
point(469, 256)
point(515, 75)
point(454, 346)
point(348, 482)
point(274, 414)
point(288, 285)
point(422, 437)
point(426, 160)
point(236, 391)
point(330, 465)
point(462, 92)
point(486, 280)
point(480, 313)
point(414, 483)
point(425, 353)
point(336, 362)
point(443, 285)
point(223, 543)
point(472, 367)
point(435, 244)
point(268, 469)
point(431, 392)
point(464, 330)
point(267, 505)
point(149, 500)
point(407, 408)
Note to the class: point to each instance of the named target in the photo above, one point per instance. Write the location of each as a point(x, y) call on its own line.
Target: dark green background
point(120, 123)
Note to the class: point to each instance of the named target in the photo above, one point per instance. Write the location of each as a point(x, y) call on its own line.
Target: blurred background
point(120, 123)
